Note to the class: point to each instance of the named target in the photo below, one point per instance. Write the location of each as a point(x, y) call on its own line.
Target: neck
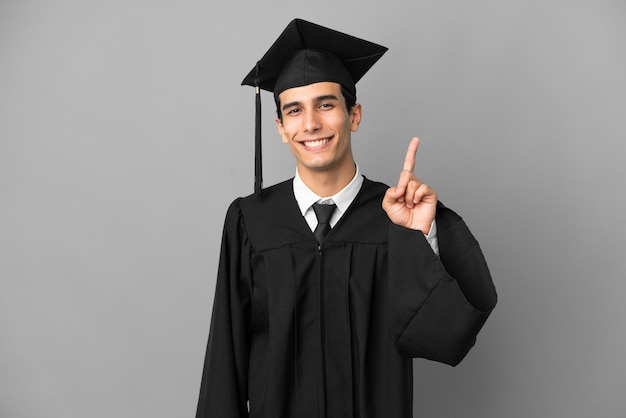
point(327, 183)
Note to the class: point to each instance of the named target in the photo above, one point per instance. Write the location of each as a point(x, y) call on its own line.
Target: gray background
point(124, 135)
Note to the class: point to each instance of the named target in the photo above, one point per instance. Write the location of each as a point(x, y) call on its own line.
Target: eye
point(326, 106)
point(293, 111)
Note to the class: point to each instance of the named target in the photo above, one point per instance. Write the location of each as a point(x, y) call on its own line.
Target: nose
point(311, 122)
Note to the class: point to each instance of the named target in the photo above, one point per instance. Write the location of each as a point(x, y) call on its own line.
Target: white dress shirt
point(306, 198)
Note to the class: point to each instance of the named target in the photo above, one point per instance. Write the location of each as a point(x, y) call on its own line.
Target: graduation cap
point(303, 54)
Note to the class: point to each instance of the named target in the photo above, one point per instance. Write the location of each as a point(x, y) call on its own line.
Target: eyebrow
point(317, 100)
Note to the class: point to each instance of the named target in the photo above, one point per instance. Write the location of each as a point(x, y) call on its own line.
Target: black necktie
point(323, 213)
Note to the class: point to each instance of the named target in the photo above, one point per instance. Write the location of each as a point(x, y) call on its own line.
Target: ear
point(281, 130)
point(355, 117)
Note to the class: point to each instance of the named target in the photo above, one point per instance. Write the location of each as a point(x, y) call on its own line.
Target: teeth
point(315, 144)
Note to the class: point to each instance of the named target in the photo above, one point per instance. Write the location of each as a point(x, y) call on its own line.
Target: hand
point(411, 203)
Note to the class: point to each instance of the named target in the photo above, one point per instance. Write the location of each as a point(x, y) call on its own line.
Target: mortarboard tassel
point(258, 170)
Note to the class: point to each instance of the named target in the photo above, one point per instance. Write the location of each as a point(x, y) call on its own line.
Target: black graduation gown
point(301, 331)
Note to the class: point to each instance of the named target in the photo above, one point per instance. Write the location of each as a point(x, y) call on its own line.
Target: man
point(309, 322)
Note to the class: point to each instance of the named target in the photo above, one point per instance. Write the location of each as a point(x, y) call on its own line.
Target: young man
point(330, 283)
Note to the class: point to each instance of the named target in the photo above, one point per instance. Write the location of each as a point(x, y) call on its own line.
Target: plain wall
point(124, 135)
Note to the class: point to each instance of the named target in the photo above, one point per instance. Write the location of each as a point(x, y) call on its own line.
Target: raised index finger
point(409, 160)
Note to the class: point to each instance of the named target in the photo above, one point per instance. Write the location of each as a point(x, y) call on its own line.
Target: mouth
point(316, 143)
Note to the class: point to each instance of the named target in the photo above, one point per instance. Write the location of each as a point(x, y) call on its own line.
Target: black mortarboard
point(306, 53)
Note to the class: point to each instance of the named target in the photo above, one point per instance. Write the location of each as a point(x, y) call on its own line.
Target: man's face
point(317, 126)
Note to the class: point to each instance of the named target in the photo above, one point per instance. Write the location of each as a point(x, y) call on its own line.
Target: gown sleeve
point(224, 385)
point(439, 304)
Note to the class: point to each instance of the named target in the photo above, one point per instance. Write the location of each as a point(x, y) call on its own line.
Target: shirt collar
point(306, 197)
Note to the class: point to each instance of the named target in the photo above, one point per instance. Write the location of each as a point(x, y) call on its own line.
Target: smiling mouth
point(318, 143)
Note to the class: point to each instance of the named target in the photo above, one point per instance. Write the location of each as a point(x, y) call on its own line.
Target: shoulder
point(446, 217)
point(371, 193)
point(365, 221)
point(272, 219)
point(270, 200)
point(373, 186)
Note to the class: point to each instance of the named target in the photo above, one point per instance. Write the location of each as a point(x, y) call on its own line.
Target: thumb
point(393, 195)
